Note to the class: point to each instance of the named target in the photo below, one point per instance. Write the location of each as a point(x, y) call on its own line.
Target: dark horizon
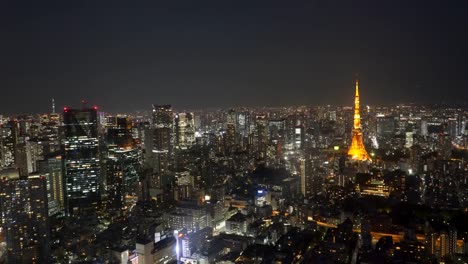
point(125, 57)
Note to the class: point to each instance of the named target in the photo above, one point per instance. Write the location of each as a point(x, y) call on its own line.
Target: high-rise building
point(299, 135)
point(81, 151)
point(431, 240)
point(302, 174)
point(8, 143)
point(162, 148)
point(162, 116)
point(52, 168)
point(25, 220)
point(452, 244)
point(122, 163)
point(27, 154)
point(122, 170)
point(444, 244)
point(357, 151)
point(188, 216)
point(184, 130)
point(119, 134)
point(310, 180)
point(23, 159)
point(260, 139)
point(230, 137)
point(243, 124)
point(276, 129)
point(162, 136)
point(385, 126)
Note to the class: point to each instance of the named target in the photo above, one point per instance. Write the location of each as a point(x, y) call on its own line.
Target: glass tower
point(82, 168)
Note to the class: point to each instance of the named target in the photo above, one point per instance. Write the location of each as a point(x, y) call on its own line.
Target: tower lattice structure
point(357, 151)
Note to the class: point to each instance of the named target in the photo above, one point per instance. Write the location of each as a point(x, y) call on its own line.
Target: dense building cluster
point(242, 185)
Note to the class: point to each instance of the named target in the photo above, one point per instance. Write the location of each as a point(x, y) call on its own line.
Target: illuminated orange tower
point(357, 151)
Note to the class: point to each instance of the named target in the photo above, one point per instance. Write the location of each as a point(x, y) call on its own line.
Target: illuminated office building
point(243, 124)
point(188, 216)
point(299, 136)
point(260, 139)
point(162, 136)
point(310, 180)
point(49, 133)
point(162, 116)
point(51, 167)
point(376, 188)
point(119, 134)
point(25, 220)
point(23, 159)
point(277, 129)
point(448, 242)
point(82, 169)
point(162, 148)
point(230, 137)
point(122, 169)
point(122, 163)
point(184, 130)
point(385, 126)
point(8, 144)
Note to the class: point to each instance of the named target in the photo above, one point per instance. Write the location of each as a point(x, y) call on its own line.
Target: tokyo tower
point(357, 151)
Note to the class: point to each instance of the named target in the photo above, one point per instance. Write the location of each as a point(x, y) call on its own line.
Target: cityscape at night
point(226, 132)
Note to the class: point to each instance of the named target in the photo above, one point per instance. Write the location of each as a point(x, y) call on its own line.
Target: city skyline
point(83, 103)
point(127, 56)
point(234, 132)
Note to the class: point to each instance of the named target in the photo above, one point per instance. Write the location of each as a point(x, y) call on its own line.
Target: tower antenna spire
point(53, 105)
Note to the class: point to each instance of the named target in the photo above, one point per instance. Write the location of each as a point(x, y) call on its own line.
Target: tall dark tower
point(82, 169)
point(163, 124)
point(122, 163)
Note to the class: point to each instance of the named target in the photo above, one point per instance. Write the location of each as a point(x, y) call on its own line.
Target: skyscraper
point(162, 116)
point(260, 135)
point(25, 220)
point(122, 163)
point(357, 151)
point(52, 168)
point(230, 139)
point(162, 136)
point(82, 169)
point(119, 135)
point(8, 143)
point(184, 129)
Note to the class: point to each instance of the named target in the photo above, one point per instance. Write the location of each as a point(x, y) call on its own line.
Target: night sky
point(127, 55)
